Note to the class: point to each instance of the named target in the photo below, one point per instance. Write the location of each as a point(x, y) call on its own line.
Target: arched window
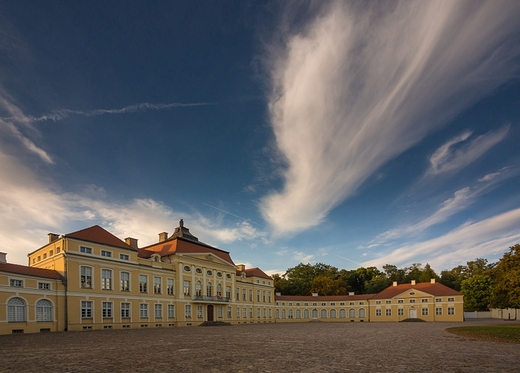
point(219, 290)
point(43, 310)
point(298, 314)
point(283, 314)
point(277, 314)
point(208, 289)
point(306, 314)
point(16, 310)
point(315, 313)
point(361, 313)
point(352, 313)
point(290, 314)
point(332, 314)
point(342, 313)
point(198, 288)
point(323, 314)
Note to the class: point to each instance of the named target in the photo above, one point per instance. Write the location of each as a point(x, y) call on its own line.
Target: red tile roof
point(435, 289)
point(96, 234)
point(320, 298)
point(180, 245)
point(30, 271)
point(255, 272)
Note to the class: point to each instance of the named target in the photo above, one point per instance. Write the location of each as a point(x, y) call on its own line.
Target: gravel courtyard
point(306, 347)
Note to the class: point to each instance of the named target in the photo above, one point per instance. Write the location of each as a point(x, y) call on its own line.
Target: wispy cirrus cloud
point(485, 238)
point(449, 157)
point(359, 85)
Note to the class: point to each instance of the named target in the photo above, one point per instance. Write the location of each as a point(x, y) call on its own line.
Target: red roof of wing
point(30, 271)
point(96, 234)
point(256, 272)
point(319, 298)
point(435, 289)
point(179, 245)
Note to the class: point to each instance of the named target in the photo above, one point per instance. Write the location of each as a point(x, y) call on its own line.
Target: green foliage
point(506, 278)
point(477, 292)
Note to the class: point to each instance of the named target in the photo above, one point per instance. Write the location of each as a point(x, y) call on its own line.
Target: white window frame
point(106, 281)
point(125, 310)
point(86, 278)
point(124, 280)
point(86, 309)
point(44, 286)
point(85, 250)
point(106, 253)
point(143, 310)
point(107, 310)
point(16, 310)
point(171, 311)
point(170, 286)
point(157, 285)
point(16, 283)
point(143, 285)
point(124, 256)
point(44, 310)
point(157, 310)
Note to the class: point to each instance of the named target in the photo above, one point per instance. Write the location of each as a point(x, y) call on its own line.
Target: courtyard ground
point(302, 347)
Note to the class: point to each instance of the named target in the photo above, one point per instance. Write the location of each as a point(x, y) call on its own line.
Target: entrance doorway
point(210, 313)
point(412, 313)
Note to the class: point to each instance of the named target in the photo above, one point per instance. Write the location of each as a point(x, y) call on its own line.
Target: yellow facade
point(90, 279)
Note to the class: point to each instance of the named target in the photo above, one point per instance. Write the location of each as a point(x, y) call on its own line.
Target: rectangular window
point(238, 293)
point(57, 250)
point(44, 286)
point(45, 256)
point(451, 299)
point(86, 277)
point(412, 300)
point(171, 311)
point(269, 313)
point(143, 310)
point(424, 300)
point(238, 312)
point(51, 253)
point(16, 283)
point(258, 296)
point(250, 313)
point(186, 288)
point(143, 283)
point(124, 257)
point(229, 312)
point(199, 311)
point(400, 312)
point(438, 299)
point(263, 296)
point(187, 310)
point(269, 294)
point(388, 302)
point(400, 301)
point(258, 313)
point(106, 279)
point(228, 292)
point(125, 310)
point(438, 311)
point(86, 250)
point(244, 313)
point(244, 296)
point(220, 312)
point(451, 311)
point(125, 281)
point(425, 311)
point(250, 295)
point(86, 309)
point(378, 312)
point(107, 309)
point(388, 312)
point(170, 286)
point(157, 285)
point(158, 311)
point(378, 302)
point(107, 254)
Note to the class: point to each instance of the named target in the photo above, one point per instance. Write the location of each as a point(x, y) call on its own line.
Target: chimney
point(163, 236)
point(53, 237)
point(3, 258)
point(314, 294)
point(395, 283)
point(131, 242)
point(241, 267)
point(350, 293)
point(413, 282)
point(432, 281)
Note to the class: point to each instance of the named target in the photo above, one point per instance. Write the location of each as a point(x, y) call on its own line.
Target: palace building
point(90, 279)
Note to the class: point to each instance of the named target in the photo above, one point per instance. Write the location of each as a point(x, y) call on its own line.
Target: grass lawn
point(495, 333)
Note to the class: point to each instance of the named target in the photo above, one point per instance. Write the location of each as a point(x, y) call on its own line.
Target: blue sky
point(353, 134)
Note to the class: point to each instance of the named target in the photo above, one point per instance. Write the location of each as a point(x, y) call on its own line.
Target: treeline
point(483, 284)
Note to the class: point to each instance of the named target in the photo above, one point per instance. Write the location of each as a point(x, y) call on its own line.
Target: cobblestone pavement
point(302, 347)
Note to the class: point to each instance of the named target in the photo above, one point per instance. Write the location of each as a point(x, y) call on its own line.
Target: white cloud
point(361, 85)
point(447, 158)
point(489, 237)
point(303, 257)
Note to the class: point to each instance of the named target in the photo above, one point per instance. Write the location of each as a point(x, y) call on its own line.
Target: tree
point(326, 285)
point(427, 274)
point(477, 291)
point(506, 279)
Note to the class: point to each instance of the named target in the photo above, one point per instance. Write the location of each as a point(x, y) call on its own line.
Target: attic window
point(412, 293)
point(198, 270)
point(228, 276)
point(209, 273)
point(219, 274)
point(156, 258)
point(187, 268)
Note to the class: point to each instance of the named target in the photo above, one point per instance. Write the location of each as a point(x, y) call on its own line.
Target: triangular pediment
point(413, 293)
point(208, 258)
